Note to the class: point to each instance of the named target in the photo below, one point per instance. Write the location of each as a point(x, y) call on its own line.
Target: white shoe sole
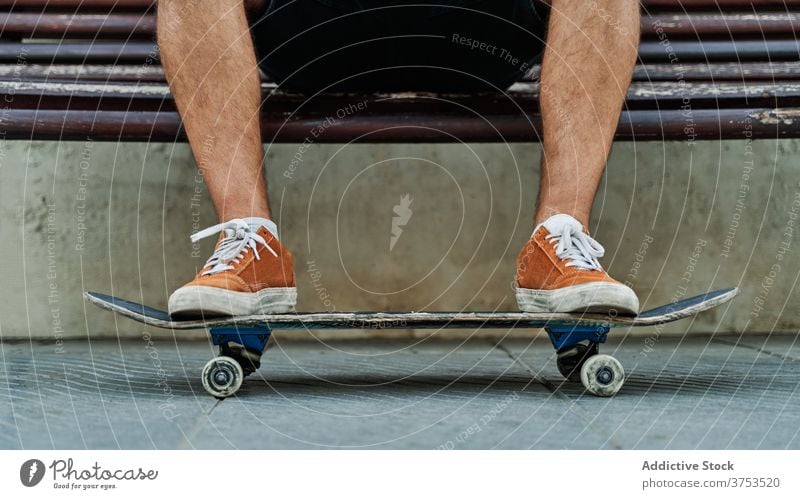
point(596, 297)
point(210, 301)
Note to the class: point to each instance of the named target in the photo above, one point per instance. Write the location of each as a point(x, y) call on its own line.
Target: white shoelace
point(577, 247)
point(239, 239)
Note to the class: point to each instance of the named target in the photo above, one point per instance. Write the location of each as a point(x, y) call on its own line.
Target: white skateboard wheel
point(222, 377)
point(602, 375)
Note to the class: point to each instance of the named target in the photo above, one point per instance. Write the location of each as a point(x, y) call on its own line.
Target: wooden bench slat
point(95, 52)
point(99, 26)
point(738, 25)
point(726, 71)
point(717, 5)
point(521, 98)
point(95, 26)
point(82, 72)
point(409, 128)
point(650, 51)
point(78, 5)
point(787, 49)
point(754, 71)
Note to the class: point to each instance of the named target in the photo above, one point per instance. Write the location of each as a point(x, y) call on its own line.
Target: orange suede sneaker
point(558, 271)
point(248, 273)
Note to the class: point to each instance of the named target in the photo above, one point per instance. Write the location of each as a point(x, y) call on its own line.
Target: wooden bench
point(708, 69)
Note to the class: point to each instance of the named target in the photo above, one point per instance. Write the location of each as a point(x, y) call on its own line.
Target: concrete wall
point(675, 218)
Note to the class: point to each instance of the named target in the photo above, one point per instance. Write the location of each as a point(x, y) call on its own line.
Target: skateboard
point(575, 336)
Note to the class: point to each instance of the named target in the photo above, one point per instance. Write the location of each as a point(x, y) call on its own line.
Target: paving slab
point(699, 392)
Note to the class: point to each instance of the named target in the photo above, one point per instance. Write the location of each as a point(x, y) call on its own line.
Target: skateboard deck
point(575, 336)
point(419, 320)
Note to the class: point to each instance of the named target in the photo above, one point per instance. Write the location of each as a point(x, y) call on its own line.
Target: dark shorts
point(390, 45)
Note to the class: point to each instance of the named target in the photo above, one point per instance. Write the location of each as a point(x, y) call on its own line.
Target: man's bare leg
point(210, 64)
point(209, 59)
point(588, 62)
point(587, 67)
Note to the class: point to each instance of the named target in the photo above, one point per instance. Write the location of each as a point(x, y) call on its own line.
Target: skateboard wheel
point(222, 377)
point(602, 375)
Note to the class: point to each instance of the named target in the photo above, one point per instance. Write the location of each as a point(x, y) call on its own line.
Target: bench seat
point(708, 69)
